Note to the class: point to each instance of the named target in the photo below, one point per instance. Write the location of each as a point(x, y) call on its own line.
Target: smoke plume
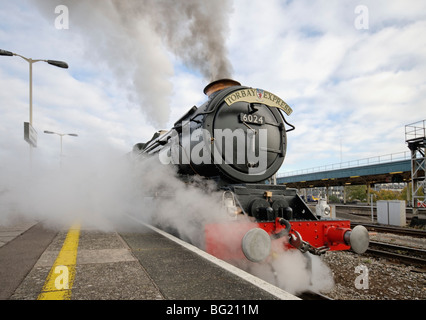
point(195, 31)
point(134, 38)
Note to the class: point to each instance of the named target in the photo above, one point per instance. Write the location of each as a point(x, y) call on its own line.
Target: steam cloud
point(131, 37)
point(101, 189)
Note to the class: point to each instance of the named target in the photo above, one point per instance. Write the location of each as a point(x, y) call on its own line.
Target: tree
point(388, 195)
point(356, 193)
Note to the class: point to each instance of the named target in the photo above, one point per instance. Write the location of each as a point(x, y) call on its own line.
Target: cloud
point(360, 87)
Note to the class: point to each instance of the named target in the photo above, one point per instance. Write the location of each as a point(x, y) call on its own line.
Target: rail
point(402, 254)
point(393, 157)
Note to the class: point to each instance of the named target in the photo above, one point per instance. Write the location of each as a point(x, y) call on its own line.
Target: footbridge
point(395, 167)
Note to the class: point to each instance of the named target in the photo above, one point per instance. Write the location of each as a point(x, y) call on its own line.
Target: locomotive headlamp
point(228, 201)
point(322, 209)
point(327, 211)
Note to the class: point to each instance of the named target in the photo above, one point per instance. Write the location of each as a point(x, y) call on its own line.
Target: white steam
point(103, 188)
point(134, 38)
point(294, 272)
point(93, 189)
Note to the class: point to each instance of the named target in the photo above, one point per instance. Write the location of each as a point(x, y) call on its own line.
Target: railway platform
point(144, 263)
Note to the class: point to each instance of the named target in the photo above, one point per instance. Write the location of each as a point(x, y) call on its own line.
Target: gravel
point(383, 280)
point(386, 280)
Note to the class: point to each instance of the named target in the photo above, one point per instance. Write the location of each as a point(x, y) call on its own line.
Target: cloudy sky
point(352, 71)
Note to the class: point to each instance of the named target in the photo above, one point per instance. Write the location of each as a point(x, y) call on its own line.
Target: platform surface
point(115, 265)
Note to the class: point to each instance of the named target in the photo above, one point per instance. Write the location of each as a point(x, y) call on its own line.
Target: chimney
point(219, 85)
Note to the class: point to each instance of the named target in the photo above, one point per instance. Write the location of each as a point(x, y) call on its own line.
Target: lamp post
point(55, 63)
point(61, 135)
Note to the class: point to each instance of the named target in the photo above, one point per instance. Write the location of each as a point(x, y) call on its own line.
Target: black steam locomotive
point(238, 138)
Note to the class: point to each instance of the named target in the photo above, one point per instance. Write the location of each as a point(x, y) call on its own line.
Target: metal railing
point(415, 130)
point(393, 157)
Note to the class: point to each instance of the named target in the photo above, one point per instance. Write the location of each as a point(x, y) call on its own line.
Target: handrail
point(415, 130)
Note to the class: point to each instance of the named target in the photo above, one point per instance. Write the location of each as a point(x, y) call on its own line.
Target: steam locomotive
point(238, 139)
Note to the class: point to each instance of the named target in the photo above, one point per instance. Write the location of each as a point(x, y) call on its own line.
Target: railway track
point(403, 254)
point(396, 230)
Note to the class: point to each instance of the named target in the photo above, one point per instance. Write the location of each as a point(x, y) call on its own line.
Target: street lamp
point(61, 135)
point(59, 64)
point(55, 63)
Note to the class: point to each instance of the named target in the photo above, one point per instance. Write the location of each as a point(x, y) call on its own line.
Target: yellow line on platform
point(59, 282)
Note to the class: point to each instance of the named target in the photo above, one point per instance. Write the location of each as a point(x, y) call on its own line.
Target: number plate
point(252, 118)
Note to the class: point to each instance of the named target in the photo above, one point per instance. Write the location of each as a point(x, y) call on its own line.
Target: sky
point(352, 71)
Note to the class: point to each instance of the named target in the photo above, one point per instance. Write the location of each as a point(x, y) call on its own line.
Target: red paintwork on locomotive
point(223, 240)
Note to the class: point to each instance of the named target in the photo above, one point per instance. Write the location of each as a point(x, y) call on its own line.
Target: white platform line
point(266, 286)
